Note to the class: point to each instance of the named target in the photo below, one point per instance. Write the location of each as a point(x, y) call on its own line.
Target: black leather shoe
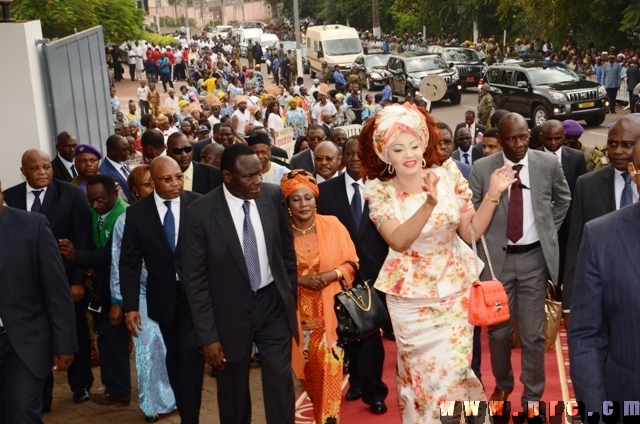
point(345, 368)
point(354, 394)
point(152, 419)
point(81, 395)
point(378, 408)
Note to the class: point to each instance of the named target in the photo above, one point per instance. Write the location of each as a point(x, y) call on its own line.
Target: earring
point(390, 169)
point(289, 209)
point(424, 163)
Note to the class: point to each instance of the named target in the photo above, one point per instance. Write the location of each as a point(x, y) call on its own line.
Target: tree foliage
point(121, 20)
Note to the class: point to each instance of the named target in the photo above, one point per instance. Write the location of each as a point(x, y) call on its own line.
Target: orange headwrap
point(298, 178)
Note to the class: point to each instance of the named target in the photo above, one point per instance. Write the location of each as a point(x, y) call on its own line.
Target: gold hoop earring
point(390, 169)
point(424, 163)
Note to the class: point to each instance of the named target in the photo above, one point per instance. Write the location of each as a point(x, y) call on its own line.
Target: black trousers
point(272, 336)
point(132, 71)
point(113, 345)
point(366, 359)
point(185, 363)
point(166, 78)
point(79, 374)
point(632, 102)
point(21, 389)
point(476, 358)
point(611, 94)
point(144, 106)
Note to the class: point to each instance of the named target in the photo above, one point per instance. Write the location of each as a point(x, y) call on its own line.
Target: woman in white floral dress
point(423, 210)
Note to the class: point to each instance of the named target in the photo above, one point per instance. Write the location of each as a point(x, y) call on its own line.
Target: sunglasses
point(179, 150)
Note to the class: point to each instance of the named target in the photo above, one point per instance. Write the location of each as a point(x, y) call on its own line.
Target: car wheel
point(455, 98)
point(595, 121)
point(312, 74)
point(540, 115)
point(305, 69)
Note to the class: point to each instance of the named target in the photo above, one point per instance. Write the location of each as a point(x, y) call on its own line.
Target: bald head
point(513, 135)
point(167, 177)
point(211, 154)
point(36, 168)
point(327, 157)
point(622, 139)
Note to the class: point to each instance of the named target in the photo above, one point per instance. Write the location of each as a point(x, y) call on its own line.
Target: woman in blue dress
point(155, 395)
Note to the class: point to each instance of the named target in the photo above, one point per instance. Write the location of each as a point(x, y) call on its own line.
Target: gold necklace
point(300, 230)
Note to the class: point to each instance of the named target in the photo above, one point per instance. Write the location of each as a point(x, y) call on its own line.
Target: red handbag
point(488, 301)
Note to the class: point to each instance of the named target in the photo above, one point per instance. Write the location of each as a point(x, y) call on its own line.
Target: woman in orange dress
point(325, 255)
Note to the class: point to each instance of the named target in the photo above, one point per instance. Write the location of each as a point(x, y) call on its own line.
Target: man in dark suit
point(115, 164)
point(304, 159)
point(240, 277)
point(522, 241)
point(603, 341)
point(465, 153)
point(470, 124)
point(445, 146)
point(67, 210)
point(37, 328)
point(152, 233)
point(573, 165)
point(203, 133)
point(342, 198)
point(198, 177)
point(63, 166)
point(600, 192)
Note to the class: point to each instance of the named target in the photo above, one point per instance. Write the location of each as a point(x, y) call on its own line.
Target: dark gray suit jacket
point(303, 160)
point(604, 343)
point(593, 196)
point(215, 275)
point(475, 155)
point(550, 197)
point(60, 172)
point(205, 178)
point(35, 305)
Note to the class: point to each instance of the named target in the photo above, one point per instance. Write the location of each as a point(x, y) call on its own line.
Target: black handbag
point(359, 310)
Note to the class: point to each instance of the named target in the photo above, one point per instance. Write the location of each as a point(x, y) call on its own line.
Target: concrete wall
point(253, 11)
point(24, 107)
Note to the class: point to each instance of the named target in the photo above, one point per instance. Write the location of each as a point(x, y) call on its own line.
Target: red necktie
point(515, 219)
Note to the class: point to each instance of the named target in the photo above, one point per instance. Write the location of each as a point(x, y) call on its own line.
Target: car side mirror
point(583, 77)
point(522, 84)
point(482, 60)
point(451, 65)
point(320, 54)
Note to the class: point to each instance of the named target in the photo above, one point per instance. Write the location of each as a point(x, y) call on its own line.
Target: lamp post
point(6, 11)
point(296, 24)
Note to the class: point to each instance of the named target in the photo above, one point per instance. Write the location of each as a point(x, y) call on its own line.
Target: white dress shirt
point(558, 153)
point(469, 155)
point(350, 191)
point(237, 214)
point(618, 186)
point(32, 197)
point(162, 211)
point(118, 166)
point(67, 165)
point(320, 179)
point(529, 230)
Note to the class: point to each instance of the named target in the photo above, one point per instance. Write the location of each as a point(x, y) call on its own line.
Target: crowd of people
point(208, 243)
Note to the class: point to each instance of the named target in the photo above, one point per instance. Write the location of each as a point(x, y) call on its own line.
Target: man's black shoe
point(354, 394)
point(378, 408)
point(81, 395)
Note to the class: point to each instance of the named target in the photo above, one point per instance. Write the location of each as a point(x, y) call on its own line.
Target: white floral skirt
point(435, 343)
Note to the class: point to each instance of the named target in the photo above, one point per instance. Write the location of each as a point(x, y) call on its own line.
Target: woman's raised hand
point(429, 183)
point(501, 179)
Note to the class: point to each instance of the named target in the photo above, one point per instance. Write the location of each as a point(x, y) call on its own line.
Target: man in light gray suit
point(523, 245)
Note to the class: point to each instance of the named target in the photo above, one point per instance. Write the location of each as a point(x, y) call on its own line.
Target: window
point(492, 76)
point(392, 63)
point(521, 76)
point(507, 77)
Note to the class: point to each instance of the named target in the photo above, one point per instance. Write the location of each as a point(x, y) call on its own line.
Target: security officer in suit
point(342, 197)
point(63, 166)
point(198, 177)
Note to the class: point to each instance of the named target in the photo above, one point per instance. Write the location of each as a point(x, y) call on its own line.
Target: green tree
point(121, 19)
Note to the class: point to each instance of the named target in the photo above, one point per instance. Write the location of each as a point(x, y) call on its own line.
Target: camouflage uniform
point(596, 157)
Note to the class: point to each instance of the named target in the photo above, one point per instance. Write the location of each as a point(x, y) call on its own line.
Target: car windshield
point(426, 63)
point(552, 75)
point(376, 60)
point(342, 47)
point(250, 24)
point(461, 55)
point(288, 45)
point(268, 43)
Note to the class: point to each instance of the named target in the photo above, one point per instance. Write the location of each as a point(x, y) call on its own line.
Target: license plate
point(586, 105)
point(470, 79)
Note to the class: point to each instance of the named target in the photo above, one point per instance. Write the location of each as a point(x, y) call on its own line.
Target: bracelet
point(492, 200)
point(338, 274)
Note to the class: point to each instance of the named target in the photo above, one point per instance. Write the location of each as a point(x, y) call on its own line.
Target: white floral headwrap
point(391, 121)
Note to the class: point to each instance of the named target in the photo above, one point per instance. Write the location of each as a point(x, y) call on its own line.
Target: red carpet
point(358, 412)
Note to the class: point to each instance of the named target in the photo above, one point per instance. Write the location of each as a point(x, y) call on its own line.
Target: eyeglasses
point(168, 179)
point(179, 150)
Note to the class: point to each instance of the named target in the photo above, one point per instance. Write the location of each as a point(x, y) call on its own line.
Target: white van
point(336, 44)
point(245, 37)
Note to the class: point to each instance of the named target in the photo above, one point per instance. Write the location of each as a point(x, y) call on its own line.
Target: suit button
point(504, 249)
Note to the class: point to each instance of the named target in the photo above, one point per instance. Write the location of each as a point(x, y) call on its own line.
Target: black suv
point(465, 61)
point(546, 90)
point(408, 69)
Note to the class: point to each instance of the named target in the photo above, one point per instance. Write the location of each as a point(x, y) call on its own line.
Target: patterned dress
point(323, 364)
point(427, 290)
point(297, 119)
point(155, 395)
